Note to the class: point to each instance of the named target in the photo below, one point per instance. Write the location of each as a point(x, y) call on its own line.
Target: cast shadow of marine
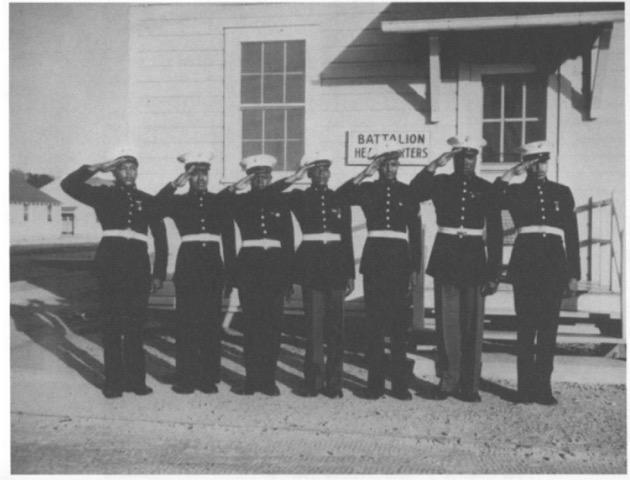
point(46, 326)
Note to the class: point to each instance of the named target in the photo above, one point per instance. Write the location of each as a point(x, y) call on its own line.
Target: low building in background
point(35, 215)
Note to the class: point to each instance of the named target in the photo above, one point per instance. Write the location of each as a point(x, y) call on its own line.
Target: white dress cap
point(197, 158)
point(385, 148)
point(124, 150)
point(315, 157)
point(259, 160)
point(467, 141)
point(535, 148)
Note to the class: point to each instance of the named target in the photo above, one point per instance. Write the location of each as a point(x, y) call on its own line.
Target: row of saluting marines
point(464, 263)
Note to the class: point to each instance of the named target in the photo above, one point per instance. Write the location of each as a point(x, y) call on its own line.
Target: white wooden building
point(35, 217)
point(284, 78)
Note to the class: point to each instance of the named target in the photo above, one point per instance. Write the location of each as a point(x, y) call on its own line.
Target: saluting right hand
point(441, 160)
point(181, 180)
point(106, 166)
point(241, 183)
point(517, 169)
point(372, 168)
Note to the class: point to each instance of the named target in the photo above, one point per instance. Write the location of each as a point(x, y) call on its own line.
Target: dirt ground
point(60, 422)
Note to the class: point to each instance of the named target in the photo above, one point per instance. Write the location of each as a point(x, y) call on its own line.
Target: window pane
point(492, 134)
point(274, 124)
point(250, 89)
point(250, 57)
point(276, 148)
point(295, 56)
point(295, 88)
point(512, 140)
point(252, 124)
point(513, 98)
point(295, 123)
point(536, 98)
point(491, 98)
point(272, 89)
point(274, 56)
point(534, 131)
point(251, 148)
point(295, 150)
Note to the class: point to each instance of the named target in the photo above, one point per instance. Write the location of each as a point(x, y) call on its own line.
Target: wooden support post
point(587, 70)
point(418, 293)
point(599, 73)
point(589, 245)
point(435, 78)
point(611, 247)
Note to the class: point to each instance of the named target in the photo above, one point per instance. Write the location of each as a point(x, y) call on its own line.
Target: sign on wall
point(359, 145)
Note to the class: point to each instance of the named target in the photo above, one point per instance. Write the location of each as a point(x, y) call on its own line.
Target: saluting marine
point(391, 254)
point(262, 269)
point(122, 265)
point(462, 273)
point(541, 267)
point(324, 267)
point(206, 231)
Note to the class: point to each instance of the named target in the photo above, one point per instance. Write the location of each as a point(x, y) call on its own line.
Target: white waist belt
point(541, 229)
point(262, 243)
point(461, 231)
point(321, 237)
point(127, 233)
point(387, 234)
point(201, 237)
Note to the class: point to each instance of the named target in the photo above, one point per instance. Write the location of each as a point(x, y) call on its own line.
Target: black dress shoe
point(333, 392)
point(373, 394)
point(142, 390)
point(246, 389)
point(524, 397)
point(183, 388)
point(472, 397)
point(438, 394)
point(547, 399)
point(309, 392)
point(270, 390)
point(110, 392)
point(401, 393)
point(208, 388)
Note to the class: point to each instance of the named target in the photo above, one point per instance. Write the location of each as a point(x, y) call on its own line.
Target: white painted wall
point(37, 229)
point(363, 79)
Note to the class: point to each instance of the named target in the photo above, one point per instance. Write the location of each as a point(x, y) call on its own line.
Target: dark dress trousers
point(322, 267)
point(123, 271)
point(207, 230)
point(460, 265)
point(262, 275)
point(539, 269)
point(391, 253)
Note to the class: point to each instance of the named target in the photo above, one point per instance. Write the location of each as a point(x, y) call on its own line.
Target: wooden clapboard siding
point(592, 159)
point(177, 68)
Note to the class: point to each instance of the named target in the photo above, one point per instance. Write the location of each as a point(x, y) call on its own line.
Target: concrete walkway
point(60, 423)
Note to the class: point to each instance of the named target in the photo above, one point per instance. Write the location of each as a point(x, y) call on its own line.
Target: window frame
point(502, 120)
point(233, 135)
point(470, 106)
point(26, 211)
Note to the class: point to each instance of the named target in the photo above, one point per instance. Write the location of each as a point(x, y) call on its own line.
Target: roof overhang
point(502, 22)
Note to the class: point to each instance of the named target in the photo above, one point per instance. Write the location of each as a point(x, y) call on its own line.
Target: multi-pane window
point(49, 212)
point(272, 100)
point(514, 109)
point(26, 212)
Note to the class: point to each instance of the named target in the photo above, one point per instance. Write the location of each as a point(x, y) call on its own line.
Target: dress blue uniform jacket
point(195, 213)
point(318, 210)
point(469, 203)
point(121, 208)
point(539, 258)
point(387, 205)
point(261, 214)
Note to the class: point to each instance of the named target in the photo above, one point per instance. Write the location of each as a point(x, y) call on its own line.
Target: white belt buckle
point(461, 232)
